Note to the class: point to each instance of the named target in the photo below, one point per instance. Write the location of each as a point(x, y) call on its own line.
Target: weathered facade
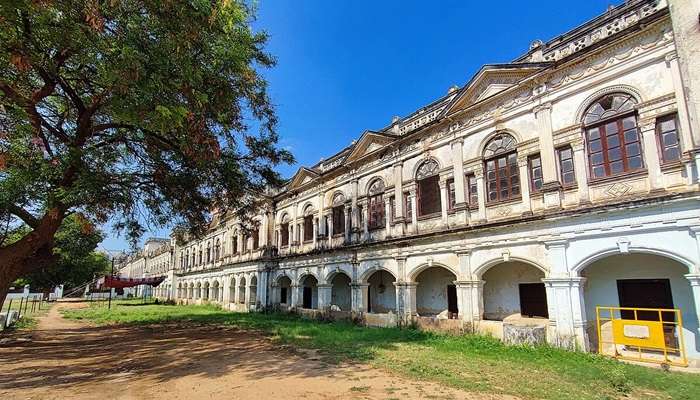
point(543, 187)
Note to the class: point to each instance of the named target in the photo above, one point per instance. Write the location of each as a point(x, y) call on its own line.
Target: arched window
point(308, 223)
point(375, 204)
point(217, 249)
point(612, 137)
point(338, 214)
point(284, 231)
point(208, 252)
point(428, 182)
point(256, 236)
point(200, 256)
point(234, 243)
point(501, 168)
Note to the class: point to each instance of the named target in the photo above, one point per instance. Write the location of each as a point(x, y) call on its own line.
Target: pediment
point(491, 80)
point(302, 177)
point(369, 143)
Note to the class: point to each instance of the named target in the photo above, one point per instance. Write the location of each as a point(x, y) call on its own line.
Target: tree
point(77, 261)
point(140, 111)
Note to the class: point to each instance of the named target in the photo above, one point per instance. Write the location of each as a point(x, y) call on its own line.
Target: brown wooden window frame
point(375, 211)
point(563, 166)
point(429, 184)
point(511, 164)
point(534, 168)
point(308, 228)
point(407, 206)
point(451, 195)
point(338, 220)
point(284, 234)
point(472, 189)
point(660, 139)
point(601, 129)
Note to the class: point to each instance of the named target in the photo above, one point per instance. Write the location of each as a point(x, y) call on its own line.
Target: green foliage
point(470, 362)
point(77, 261)
point(133, 110)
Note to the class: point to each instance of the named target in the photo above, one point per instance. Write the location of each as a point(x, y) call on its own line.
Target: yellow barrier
point(641, 334)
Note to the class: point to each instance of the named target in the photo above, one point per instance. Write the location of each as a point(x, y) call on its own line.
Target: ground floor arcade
point(547, 279)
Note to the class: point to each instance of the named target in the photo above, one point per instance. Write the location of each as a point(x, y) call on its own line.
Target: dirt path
point(73, 360)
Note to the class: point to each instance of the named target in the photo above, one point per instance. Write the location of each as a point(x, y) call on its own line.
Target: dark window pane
point(611, 128)
point(616, 167)
point(598, 172)
point(631, 136)
point(597, 158)
point(629, 122)
point(593, 134)
point(595, 145)
point(632, 149)
point(670, 138)
point(635, 162)
point(614, 154)
point(668, 125)
point(567, 165)
point(672, 154)
point(613, 141)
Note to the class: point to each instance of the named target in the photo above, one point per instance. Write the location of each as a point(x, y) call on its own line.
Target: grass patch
point(470, 362)
point(30, 313)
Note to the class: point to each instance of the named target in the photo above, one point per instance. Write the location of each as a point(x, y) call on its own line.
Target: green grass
point(29, 316)
point(471, 362)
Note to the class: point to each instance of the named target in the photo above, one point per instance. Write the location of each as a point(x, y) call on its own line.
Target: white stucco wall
point(501, 292)
point(431, 292)
point(382, 301)
point(340, 292)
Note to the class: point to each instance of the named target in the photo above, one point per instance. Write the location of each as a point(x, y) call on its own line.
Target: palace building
point(514, 205)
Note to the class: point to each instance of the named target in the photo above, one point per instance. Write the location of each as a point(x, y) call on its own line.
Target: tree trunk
point(33, 251)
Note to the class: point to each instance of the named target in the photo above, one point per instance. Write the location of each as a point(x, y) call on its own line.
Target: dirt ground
point(73, 360)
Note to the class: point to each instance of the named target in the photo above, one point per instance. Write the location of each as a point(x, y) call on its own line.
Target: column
point(261, 292)
point(354, 193)
point(687, 139)
point(387, 216)
point(324, 296)
point(414, 211)
point(525, 184)
point(348, 222)
point(329, 234)
point(290, 242)
point(470, 300)
point(694, 280)
point(295, 295)
point(647, 129)
point(406, 300)
point(580, 169)
point(480, 193)
point(443, 201)
point(359, 297)
point(551, 187)
point(315, 231)
point(567, 312)
point(321, 211)
point(458, 174)
point(365, 220)
point(398, 192)
point(465, 270)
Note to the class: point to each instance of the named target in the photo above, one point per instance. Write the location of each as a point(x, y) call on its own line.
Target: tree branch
point(24, 215)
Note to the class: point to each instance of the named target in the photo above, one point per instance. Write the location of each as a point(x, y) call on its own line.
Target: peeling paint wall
point(501, 292)
point(340, 292)
point(431, 292)
point(382, 300)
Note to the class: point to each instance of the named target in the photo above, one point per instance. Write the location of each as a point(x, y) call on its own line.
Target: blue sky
point(346, 66)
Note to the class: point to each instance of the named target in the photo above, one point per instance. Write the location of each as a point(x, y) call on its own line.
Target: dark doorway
point(369, 299)
point(645, 293)
point(452, 308)
point(533, 300)
point(306, 301)
point(283, 295)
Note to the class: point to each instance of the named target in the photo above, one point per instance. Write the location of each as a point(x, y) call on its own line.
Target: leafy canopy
point(133, 110)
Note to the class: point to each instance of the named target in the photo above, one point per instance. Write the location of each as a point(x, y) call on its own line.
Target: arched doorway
point(340, 291)
point(232, 290)
point(205, 293)
point(198, 291)
point(253, 299)
point(241, 290)
point(381, 292)
point(642, 281)
point(215, 291)
point(514, 290)
point(309, 294)
point(284, 290)
point(436, 294)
